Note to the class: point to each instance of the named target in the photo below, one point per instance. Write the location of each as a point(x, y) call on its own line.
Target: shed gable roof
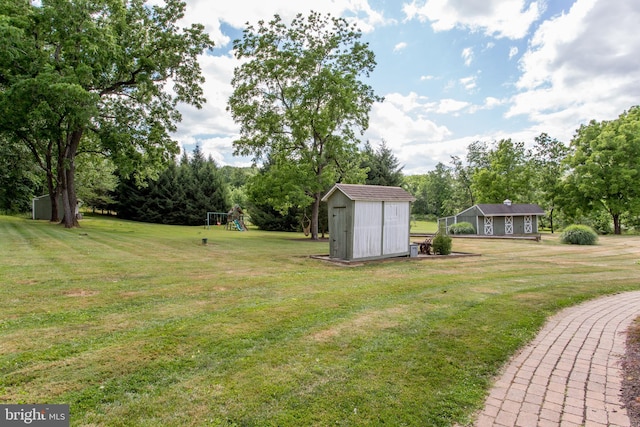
point(500, 209)
point(376, 193)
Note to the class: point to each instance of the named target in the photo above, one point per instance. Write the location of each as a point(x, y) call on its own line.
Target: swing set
point(306, 224)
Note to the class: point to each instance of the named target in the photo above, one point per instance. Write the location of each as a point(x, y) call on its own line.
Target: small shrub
point(441, 244)
point(579, 235)
point(462, 228)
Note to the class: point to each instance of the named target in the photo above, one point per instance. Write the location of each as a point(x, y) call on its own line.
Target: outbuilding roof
point(501, 209)
point(374, 193)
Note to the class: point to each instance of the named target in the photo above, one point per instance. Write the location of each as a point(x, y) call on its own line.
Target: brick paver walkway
point(570, 374)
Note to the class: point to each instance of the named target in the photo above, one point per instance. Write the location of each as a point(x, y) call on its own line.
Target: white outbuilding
point(368, 221)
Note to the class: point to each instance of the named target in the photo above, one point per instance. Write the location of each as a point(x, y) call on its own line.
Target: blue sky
point(451, 71)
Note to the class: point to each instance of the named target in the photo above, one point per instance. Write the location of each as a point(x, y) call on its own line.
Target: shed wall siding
point(396, 228)
point(367, 233)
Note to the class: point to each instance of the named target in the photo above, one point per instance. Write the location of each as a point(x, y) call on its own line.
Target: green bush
point(441, 244)
point(579, 235)
point(462, 228)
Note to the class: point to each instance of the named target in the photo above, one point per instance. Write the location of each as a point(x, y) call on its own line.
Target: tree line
point(86, 111)
point(592, 180)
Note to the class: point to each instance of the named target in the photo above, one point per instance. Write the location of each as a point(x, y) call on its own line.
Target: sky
point(451, 71)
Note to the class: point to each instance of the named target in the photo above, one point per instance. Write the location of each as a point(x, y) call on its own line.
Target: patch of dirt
point(81, 293)
point(631, 374)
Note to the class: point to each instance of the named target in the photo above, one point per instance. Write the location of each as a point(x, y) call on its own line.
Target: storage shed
point(503, 219)
point(368, 221)
point(41, 207)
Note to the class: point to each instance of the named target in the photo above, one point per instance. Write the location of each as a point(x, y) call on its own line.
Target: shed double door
point(338, 232)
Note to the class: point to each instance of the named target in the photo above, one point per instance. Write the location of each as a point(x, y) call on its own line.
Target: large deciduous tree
point(300, 101)
point(605, 167)
point(507, 174)
point(114, 68)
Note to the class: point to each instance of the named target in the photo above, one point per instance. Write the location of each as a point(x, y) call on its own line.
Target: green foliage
point(548, 158)
point(19, 179)
point(579, 235)
point(462, 196)
point(433, 191)
point(277, 203)
point(96, 181)
point(267, 218)
point(507, 174)
point(415, 184)
point(80, 75)
point(601, 222)
point(462, 228)
point(182, 194)
point(382, 166)
point(299, 101)
point(441, 244)
point(605, 168)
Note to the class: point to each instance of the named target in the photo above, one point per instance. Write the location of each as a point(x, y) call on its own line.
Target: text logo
point(34, 415)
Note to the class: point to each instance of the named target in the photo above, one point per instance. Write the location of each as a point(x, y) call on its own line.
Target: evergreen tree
point(182, 194)
point(383, 166)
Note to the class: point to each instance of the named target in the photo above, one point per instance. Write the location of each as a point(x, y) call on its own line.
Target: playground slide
point(239, 225)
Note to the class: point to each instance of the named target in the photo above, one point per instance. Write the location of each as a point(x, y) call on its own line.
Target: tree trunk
point(69, 198)
point(54, 192)
point(617, 229)
point(47, 165)
point(314, 216)
point(551, 219)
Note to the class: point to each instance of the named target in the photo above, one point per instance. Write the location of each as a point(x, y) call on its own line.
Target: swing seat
point(306, 225)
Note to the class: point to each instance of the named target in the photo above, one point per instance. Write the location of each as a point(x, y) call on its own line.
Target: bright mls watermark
point(34, 415)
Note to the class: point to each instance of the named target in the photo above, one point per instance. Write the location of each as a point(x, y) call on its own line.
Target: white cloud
point(198, 125)
point(402, 122)
point(491, 102)
point(581, 65)
point(448, 106)
point(467, 55)
point(407, 103)
point(429, 77)
point(469, 83)
point(399, 47)
point(513, 52)
point(499, 18)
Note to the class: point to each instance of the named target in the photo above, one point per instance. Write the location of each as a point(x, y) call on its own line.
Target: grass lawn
point(424, 226)
point(142, 325)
